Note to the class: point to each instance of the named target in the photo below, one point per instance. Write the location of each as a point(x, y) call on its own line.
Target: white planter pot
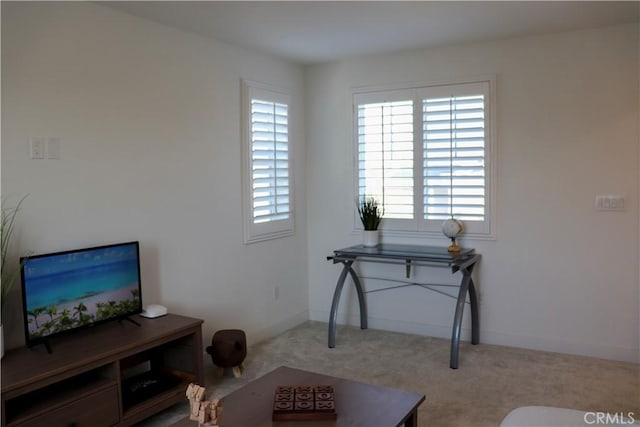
point(370, 238)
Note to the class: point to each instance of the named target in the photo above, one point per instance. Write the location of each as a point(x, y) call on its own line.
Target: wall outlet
point(36, 147)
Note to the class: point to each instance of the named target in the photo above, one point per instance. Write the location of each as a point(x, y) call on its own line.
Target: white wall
point(149, 122)
point(560, 276)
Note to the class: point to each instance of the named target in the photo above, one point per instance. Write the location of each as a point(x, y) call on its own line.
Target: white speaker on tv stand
point(154, 310)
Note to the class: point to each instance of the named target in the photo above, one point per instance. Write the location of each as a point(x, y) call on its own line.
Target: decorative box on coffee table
point(304, 402)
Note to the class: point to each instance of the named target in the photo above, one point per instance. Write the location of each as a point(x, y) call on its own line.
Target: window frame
point(419, 227)
point(257, 232)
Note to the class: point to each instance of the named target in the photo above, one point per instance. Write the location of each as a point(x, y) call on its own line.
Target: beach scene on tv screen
point(74, 289)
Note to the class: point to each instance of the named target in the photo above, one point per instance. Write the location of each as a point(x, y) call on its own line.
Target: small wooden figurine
point(205, 412)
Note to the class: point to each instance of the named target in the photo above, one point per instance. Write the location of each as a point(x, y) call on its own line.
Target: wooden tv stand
point(114, 374)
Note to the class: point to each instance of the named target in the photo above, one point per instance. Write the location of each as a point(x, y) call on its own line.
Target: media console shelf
point(114, 374)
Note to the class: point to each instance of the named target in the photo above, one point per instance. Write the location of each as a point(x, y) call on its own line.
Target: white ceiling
point(310, 32)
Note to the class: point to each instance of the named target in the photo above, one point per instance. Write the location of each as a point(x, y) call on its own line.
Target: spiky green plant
point(370, 213)
point(7, 278)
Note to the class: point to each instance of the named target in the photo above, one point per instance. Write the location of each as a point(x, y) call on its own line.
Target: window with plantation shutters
point(425, 154)
point(267, 163)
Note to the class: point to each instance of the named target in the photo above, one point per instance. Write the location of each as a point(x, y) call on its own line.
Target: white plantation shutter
point(385, 156)
point(456, 136)
point(425, 152)
point(454, 169)
point(268, 185)
point(269, 161)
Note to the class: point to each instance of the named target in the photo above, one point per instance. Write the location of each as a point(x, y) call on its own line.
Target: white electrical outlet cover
point(36, 147)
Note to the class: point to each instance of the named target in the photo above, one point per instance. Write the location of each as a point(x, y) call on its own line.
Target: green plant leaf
point(370, 213)
point(6, 230)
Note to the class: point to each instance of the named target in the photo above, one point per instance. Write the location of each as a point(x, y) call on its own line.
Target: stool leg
point(237, 371)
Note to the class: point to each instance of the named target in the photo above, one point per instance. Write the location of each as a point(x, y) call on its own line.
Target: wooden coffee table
point(357, 404)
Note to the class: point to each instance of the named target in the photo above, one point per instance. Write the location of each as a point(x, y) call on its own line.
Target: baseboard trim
point(279, 327)
point(423, 329)
point(622, 354)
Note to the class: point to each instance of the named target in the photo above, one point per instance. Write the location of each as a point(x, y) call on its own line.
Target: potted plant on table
point(7, 278)
point(370, 214)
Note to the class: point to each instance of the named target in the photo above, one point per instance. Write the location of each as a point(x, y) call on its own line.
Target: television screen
point(67, 290)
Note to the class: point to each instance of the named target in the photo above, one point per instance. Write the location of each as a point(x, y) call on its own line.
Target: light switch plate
point(610, 203)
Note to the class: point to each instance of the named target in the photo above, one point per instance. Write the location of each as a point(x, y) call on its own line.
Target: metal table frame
point(410, 255)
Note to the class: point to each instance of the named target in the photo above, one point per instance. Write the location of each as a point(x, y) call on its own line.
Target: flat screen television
point(64, 291)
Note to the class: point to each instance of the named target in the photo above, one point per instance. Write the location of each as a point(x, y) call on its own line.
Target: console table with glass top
point(410, 255)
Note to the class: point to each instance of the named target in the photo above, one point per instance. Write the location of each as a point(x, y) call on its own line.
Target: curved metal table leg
point(475, 326)
point(457, 320)
point(333, 317)
point(336, 299)
point(361, 300)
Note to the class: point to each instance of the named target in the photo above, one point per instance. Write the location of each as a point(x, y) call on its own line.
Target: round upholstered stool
point(228, 349)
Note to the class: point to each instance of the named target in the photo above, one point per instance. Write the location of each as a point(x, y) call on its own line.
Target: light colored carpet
point(490, 381)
